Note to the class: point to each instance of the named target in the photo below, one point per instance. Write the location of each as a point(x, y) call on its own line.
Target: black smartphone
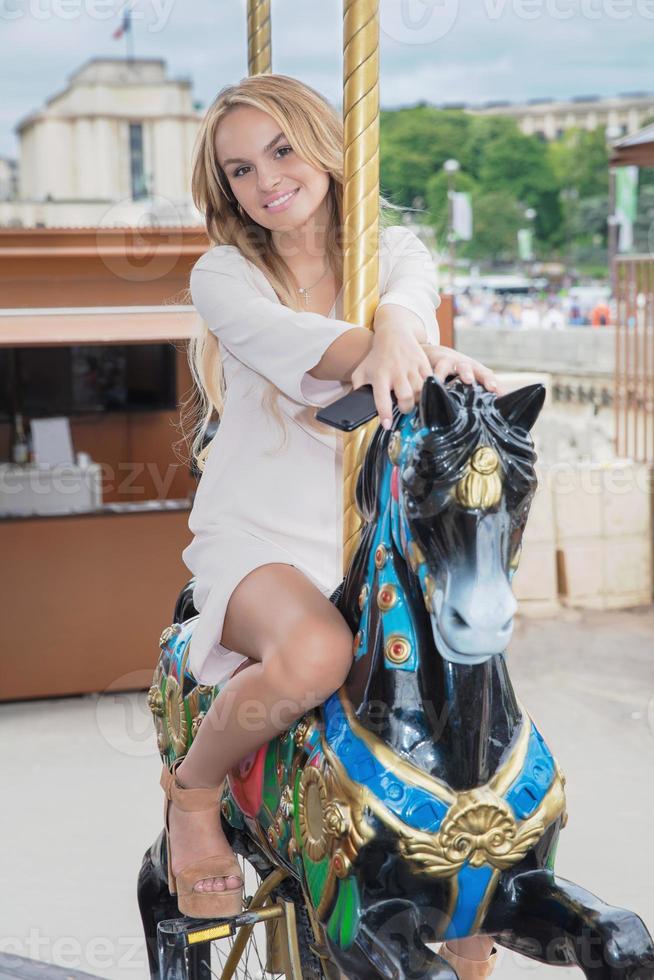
point(352, 410)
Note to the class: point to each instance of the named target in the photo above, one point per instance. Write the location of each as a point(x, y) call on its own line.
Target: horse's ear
point(436, 407)
point(522, 407)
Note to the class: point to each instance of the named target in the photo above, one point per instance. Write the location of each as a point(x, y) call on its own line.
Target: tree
point(497, 217)
point(580, 160)
point(414, 144)
point(520, 166)
point(483, 131)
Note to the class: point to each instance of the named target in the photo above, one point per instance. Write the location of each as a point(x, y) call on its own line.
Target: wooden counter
point(86, 597)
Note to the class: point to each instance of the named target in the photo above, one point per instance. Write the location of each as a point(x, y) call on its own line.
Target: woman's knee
point(313, 659)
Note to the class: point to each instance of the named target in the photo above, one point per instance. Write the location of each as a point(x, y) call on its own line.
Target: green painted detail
point(271, 789)
point(344, 920)
point(287, 751)
point(316, 874)
point(551, 857)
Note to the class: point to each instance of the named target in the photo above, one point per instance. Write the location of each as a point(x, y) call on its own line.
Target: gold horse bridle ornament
point(480, 487)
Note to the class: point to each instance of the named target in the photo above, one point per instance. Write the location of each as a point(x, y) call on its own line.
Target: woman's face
point(262, 166)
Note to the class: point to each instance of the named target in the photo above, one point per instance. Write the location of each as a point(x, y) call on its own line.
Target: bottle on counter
point(20, 447)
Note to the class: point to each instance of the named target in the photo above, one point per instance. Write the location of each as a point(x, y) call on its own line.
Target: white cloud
point(490, 51)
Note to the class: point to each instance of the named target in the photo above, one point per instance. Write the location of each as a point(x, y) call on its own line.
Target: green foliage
point(520, 165)
point(580, 159)
point(415, 143)
point(497, 216)
point(564, 181)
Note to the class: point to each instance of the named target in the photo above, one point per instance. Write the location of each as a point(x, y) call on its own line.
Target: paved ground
point(81, 784)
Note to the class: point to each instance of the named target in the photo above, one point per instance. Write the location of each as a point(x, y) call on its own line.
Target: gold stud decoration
point(381, 556)
point(397, 649)
point(386, 597)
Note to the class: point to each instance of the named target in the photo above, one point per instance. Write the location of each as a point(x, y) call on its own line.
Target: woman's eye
point(237, 173)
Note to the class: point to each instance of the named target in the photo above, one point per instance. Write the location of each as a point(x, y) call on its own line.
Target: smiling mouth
point(281, 200)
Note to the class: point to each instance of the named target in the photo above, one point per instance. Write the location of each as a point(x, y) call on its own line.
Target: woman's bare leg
point(300, 651)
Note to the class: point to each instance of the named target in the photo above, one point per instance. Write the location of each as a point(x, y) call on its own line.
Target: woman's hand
point(398, 362)
point(445, 361)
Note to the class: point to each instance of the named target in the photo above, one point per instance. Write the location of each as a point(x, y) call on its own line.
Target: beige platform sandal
point(470, 969)
point(202, 905)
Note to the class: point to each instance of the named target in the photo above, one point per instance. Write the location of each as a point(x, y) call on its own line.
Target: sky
point(438, 51)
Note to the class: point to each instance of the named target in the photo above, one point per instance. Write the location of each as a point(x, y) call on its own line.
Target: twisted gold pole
point(361, 216)
point(259, 45)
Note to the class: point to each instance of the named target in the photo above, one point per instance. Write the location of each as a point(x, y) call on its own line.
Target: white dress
point(256, 503)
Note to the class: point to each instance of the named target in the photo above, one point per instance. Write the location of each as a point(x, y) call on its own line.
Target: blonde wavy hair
point(315, 131)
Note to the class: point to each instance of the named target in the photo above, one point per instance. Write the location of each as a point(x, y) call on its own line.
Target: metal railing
point(634, 358)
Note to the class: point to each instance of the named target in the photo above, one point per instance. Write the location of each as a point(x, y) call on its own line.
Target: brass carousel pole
point(259, 46)
point(360, 216)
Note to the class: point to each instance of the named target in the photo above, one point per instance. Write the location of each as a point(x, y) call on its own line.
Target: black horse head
point(467, 481)
point(463, 486)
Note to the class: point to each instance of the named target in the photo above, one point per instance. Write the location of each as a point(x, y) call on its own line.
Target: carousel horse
point(420, 802)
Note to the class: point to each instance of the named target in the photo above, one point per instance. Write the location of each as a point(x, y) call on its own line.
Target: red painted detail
point(395, 487)
point(246, 781)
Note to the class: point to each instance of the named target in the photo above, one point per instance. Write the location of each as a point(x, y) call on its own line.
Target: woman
point(267, 546)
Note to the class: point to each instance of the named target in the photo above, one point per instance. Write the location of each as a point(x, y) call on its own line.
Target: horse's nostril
point(458, 619)
point(507, 625)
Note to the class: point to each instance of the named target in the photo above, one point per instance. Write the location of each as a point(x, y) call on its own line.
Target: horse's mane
point(441, 455)
point(369, 478)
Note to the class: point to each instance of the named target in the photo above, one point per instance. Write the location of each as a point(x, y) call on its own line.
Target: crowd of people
point(528, 312)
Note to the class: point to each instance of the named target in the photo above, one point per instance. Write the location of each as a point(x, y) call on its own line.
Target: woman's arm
point(409, 301)
point(279, 343)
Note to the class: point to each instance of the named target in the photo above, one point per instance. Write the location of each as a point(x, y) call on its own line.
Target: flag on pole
point(626, 205)
point(525, 244)
point(462, 215)
point(125, 25)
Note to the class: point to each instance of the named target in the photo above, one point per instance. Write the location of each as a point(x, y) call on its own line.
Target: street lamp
point(451, 167)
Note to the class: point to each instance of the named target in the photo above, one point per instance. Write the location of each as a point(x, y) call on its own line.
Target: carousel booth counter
point(94, 503)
